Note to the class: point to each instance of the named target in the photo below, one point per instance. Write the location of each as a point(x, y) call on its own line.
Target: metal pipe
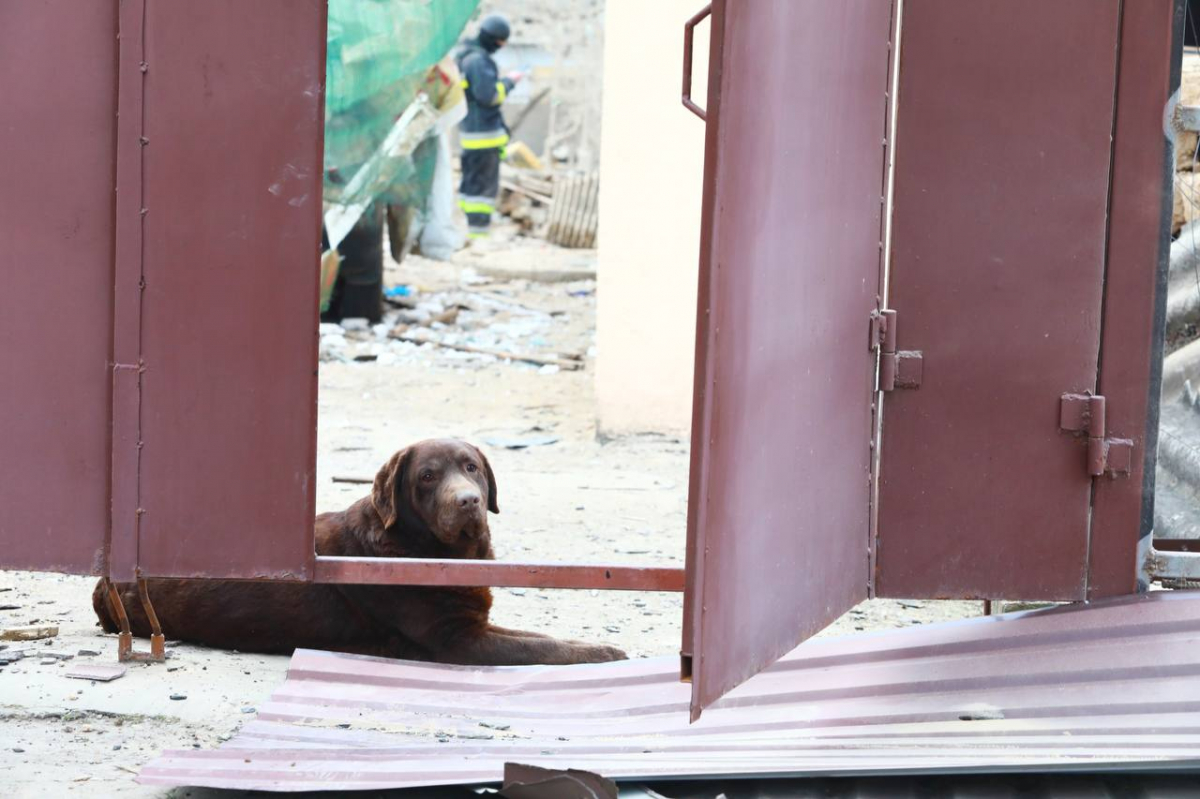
point(455, 572)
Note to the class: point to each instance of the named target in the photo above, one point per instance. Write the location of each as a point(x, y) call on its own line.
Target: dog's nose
point(467, 499)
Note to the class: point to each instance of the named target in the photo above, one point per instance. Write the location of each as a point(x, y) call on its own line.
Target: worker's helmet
point(495, 27)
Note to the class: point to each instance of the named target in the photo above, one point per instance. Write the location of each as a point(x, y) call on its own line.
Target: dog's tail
point(103, 611)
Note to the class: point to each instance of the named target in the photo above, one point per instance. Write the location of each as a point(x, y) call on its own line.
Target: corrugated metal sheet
point(946, 787)
point(1110, 686)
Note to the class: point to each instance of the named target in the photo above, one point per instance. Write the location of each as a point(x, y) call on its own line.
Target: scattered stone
point(97, 673)
point(248, 709)
point(178, 697)
point(520, 442)
point(28, 633)
point(494, 726)
point(88, 653)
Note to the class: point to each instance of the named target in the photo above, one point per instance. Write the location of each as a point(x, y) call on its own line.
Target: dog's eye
point(427, 476)
point(472, 467)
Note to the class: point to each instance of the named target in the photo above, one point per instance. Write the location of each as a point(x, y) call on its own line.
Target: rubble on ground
point(451, 315)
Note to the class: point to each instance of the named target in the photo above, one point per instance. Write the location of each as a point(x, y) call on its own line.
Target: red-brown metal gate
point(168, 409)
point(233, 111)
point(795, 173)
point(1022, 269)
point(162, 221)
point(979, 493)
point(57, 133)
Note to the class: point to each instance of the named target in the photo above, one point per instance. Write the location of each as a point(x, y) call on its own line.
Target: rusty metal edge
point(885, 227)
point(701, 409)
point(462, 572)
point(315, 309)
point(128, 279)
point(100, 567)
point(1112, 546)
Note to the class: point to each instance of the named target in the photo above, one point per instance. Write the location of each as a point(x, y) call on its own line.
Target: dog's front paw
point(601, 653)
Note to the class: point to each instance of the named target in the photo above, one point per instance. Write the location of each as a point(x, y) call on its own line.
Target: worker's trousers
point(479, 188)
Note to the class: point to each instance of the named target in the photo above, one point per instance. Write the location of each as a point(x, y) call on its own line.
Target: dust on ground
point(577, 499)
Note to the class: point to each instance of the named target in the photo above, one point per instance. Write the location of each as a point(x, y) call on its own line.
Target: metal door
point(790, 260)
point(159, 356)
point(1004, 141)
point(58, 61)
point(233, 114)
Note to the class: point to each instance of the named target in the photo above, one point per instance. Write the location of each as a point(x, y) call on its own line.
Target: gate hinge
point(897, 369)
point(1084, 414)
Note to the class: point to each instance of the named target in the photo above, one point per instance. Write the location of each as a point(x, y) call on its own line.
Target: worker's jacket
point(486, 91)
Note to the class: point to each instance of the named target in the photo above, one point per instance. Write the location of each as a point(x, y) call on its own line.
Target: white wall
point(652, 164)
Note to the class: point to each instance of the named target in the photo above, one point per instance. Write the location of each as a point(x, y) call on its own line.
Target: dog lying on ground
point(430, 500)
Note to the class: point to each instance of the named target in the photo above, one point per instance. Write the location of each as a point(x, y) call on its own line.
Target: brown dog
point(430, 500)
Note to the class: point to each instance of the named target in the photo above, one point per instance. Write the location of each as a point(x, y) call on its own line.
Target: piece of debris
point(97, 673)
point(55, 655)
point(520, 442)
point(10, 607)
point(47, 662)
point(27, 633)
point(88, 653)
point(535, 782)
point(353, 480)
point(562, 363)
point(178, 697)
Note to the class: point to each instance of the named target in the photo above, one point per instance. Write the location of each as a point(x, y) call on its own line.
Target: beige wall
point(652, 163)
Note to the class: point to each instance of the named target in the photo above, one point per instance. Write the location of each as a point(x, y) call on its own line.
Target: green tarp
point(379, 56)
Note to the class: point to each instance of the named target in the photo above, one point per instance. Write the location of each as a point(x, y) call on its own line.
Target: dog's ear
point(491, 481)
point(389, 481)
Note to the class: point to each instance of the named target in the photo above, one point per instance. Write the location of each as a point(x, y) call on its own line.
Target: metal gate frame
point(1129, 349)
point(151, 192)
point(135, 540)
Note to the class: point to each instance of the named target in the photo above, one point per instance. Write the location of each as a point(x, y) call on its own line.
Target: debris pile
point(472, 323)
point(561, 207)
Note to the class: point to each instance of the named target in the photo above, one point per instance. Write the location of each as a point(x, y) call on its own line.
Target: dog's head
point(444, 485)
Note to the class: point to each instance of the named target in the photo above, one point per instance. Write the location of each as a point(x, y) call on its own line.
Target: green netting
point(380, 53)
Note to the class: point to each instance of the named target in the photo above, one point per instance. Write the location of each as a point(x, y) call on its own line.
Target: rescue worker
point(483, 132)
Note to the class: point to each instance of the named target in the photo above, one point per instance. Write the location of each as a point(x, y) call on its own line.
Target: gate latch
point(1083, 414)
point(901, 369)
